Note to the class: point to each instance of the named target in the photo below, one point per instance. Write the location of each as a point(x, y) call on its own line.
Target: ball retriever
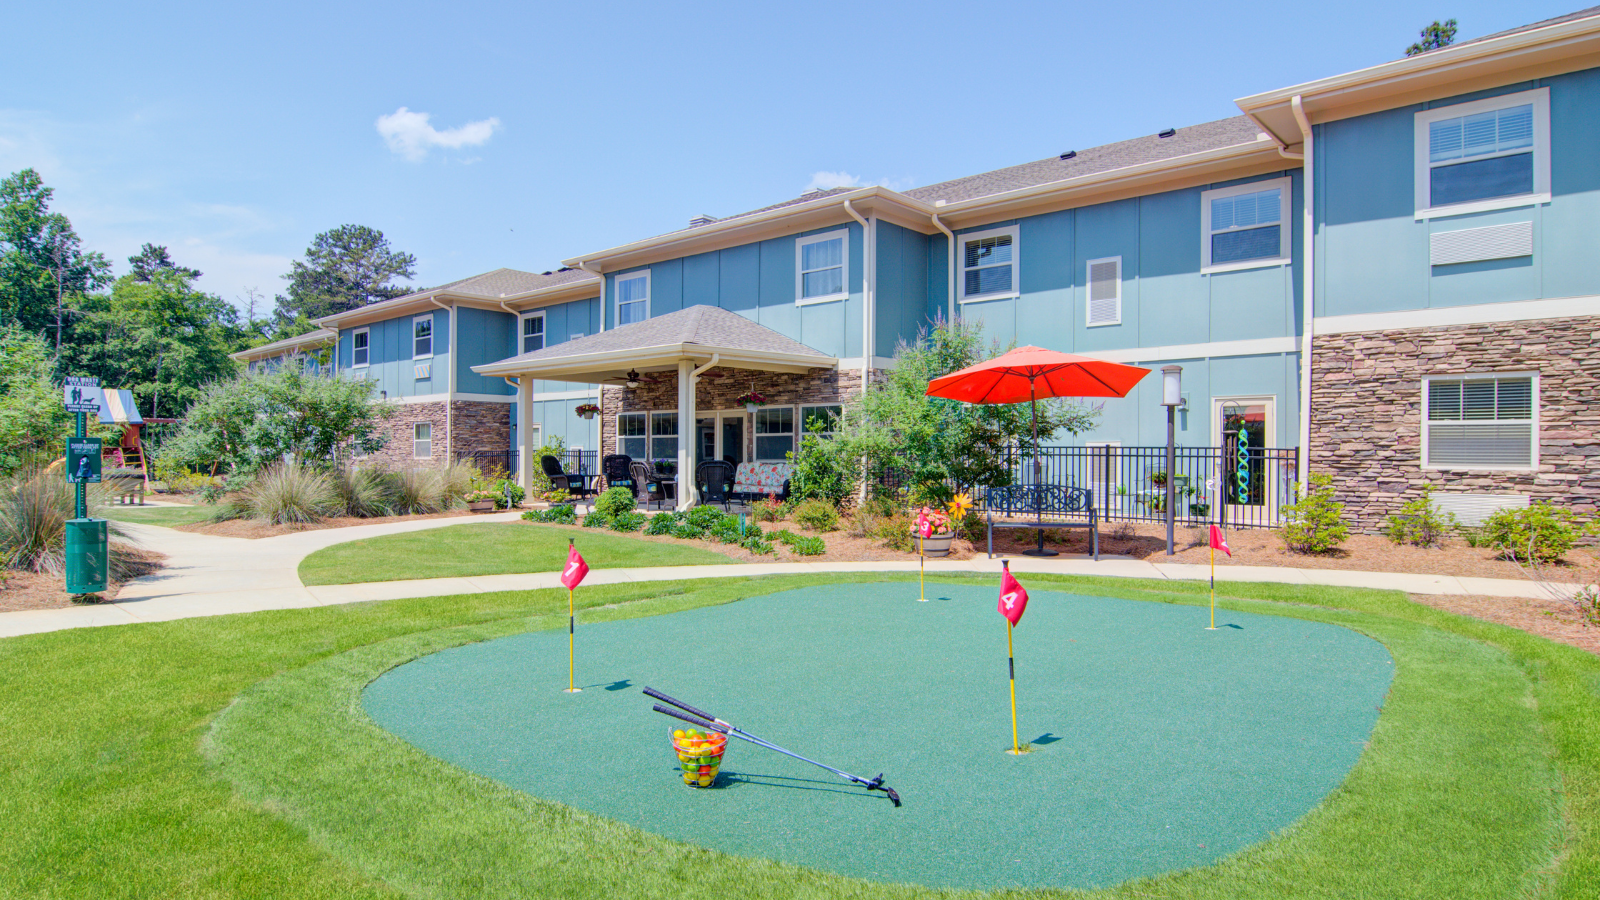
point(702, 719)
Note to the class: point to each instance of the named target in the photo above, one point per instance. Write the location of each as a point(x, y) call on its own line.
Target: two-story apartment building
point(1427, 313)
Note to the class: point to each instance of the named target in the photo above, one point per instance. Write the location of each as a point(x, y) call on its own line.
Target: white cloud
point(827, 181)
point(409, 134)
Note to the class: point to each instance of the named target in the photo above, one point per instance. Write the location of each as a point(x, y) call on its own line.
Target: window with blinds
point(1246, 226)
point(1494, 151)
point(1105, 291)
point(1477, 422)
point(633, 298)
point(821, 267)
point(533, 332)
point(989, 264)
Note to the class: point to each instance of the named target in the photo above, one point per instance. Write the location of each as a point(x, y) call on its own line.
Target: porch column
point(686, 491)
point(525, 461)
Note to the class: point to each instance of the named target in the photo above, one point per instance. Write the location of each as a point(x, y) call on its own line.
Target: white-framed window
point(820, 419)
point(1245, 226)
point(822, 267)
point(664, 435)
point(532, 331)
point(633, 297)
point(422, 440)
point(360, 348)
point(1104, 468)
point(989, 264)
point(774, 430)
point(633, 435)
point(1484, 422)
point(422, 336)
point(1104, 278)
point(1487, 154)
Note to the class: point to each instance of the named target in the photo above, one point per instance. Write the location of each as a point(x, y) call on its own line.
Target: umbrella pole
point(1038, 494)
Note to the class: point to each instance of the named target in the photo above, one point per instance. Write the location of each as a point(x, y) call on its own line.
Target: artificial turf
point(488, 548)
point(230, 757)
point(1157, 745)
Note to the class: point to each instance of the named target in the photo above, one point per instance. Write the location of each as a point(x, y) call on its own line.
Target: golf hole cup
point(699, 755)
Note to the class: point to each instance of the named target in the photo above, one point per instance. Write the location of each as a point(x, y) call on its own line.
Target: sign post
point(87, 565)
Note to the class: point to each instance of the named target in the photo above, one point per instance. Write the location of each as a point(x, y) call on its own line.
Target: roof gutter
point(1308, 304)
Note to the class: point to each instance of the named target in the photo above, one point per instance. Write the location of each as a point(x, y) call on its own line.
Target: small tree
point(1434, 37)
point(32, 419)
point(1420, 522)
point(1315, 524)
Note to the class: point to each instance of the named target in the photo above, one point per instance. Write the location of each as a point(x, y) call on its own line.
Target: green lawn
point(166, 516)
point(490, 548)
point(229, 757)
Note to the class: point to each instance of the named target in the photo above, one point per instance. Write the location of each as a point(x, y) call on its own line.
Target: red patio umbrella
point(1028, 373)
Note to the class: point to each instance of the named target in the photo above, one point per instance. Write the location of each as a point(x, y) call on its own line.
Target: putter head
point(876, 784)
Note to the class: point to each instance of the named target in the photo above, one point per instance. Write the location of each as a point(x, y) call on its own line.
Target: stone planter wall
point(1366, 402)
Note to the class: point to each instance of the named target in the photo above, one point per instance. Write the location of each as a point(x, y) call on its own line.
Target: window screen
point(1480, 423)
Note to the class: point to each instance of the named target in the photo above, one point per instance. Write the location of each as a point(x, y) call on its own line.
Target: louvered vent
point(1474, 244)
point(422, 370)
point(1105, 291)
point(1474, 509)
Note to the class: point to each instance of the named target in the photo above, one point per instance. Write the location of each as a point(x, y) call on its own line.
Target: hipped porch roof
point(696, 334)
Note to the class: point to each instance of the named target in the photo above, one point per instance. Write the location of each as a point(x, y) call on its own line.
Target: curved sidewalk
point(207, 575)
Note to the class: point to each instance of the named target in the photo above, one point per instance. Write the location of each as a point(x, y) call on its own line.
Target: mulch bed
point(34, 590)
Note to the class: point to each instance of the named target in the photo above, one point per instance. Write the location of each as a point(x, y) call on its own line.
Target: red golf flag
point(1218, 542)
point(576, 568)
point(1013, 599)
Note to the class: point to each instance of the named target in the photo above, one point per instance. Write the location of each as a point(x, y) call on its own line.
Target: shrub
point(823, 470)
point(455, 480)
point(596, 520)
point(34, 508)
point(804, 546)
point(615, 501)
point(505, 485)
point(1315, 524)
point(703, 517)
point(663, 523)
point(365, 493)
point(768, 510)
point(895, 531)
point(1420, 523)
point(687, 529)
point(291, 494)
point(1541, 532)
point(563, 514)
point(817, 515)
point(755, 543)
point(628, 521)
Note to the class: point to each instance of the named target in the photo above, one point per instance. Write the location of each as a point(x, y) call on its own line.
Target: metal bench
point(1042, 506)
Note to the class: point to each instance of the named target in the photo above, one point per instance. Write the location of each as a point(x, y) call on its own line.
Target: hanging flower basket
point(752, 401)
point(587, 411)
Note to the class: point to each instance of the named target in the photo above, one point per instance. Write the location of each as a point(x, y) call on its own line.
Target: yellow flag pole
point(1213, 625)
point(1011, 663)
point(572, 664)
point(922, 567)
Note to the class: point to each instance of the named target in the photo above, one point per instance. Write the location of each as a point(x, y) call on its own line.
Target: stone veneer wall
point(483, 428)
point(396, 454)
point(1366, 402)
point(781, 389)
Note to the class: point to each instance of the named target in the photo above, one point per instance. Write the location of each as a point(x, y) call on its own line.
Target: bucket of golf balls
point(699, 755)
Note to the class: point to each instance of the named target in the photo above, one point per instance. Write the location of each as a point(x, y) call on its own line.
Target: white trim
point(1088, 292)
point(1215, 350)
point(565, 395)
point(1480, 314)
point(616, 289)
point(1421, 165)
point(843, 236)
point(800, 418)
point(878, 362)
point(965, 238)
point(487, 398)
point(417, 440)
point(1533, 421)
point(368, 348)
point(793, 434)
point(617, 436)
point(432, 335)
point(522, 337)
point(1285, 187)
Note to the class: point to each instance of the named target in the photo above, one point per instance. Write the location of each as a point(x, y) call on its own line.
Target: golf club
point(704, 719)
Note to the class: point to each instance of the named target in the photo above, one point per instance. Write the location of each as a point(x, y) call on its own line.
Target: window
point(1105, 291)
point(1104, 463)
point(774, 433)
point(360, 348)
point(1488, 154)
point(664, 435)
point(532, 332)
point(820, 420)
point(422, 336)
point(631, 440)
point(1245, 226)
point(822, 267)
point(989, 264)
point(422, 440)
point(1480, 422)
point(633, 298)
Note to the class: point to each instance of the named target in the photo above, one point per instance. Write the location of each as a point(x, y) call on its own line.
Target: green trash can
point(86, 556)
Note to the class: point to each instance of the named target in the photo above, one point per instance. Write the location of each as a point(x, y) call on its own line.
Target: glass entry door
point(719, 436)
point(1245, 428)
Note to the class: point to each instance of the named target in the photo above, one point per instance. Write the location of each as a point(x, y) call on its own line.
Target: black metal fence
point(1242, 486)
point(584, 462)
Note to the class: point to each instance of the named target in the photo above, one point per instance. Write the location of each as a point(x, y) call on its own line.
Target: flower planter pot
point(751, 407)
point(1200, 510)
point(586, 415)
point(937, 544)
point(480, 506)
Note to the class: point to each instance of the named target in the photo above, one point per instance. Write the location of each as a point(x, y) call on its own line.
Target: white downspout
point(449, 385)
point(867, 284)
point(1309, 304)
point(599, 432)
point(950, 263)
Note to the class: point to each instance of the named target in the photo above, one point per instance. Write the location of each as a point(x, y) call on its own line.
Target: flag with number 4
point(1013, 599)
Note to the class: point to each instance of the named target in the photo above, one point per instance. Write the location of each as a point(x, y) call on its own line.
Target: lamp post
point(1171, 398)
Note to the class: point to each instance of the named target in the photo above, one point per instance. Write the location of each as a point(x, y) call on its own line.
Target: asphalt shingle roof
point(1569, 17)
point(709, 326)
point(503, 282)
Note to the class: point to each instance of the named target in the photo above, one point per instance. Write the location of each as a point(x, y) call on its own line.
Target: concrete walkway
point(207, 575)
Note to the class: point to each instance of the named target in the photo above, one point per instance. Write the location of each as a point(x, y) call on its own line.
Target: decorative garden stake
point(572, 576)
point(1013, 603)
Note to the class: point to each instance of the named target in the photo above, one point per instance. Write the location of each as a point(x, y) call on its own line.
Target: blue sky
point(534, 132)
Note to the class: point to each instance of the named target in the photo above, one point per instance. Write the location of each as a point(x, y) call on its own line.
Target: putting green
point(1158, 745)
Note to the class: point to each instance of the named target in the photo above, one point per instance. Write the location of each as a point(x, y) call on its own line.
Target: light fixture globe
point(633, 378)
point(1172, 385)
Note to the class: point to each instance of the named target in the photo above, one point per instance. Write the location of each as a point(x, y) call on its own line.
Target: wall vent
point(1475, 244)
point(1105, 291)
point(422, 370)
point(699, 221)
point(1474, 509)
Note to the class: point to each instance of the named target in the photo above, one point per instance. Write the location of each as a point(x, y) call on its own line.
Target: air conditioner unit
point(423, 370)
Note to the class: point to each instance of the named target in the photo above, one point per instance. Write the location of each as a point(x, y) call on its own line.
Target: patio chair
point(575, 484)
point(648, 487)
point(618, 471)
point(714, 478)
